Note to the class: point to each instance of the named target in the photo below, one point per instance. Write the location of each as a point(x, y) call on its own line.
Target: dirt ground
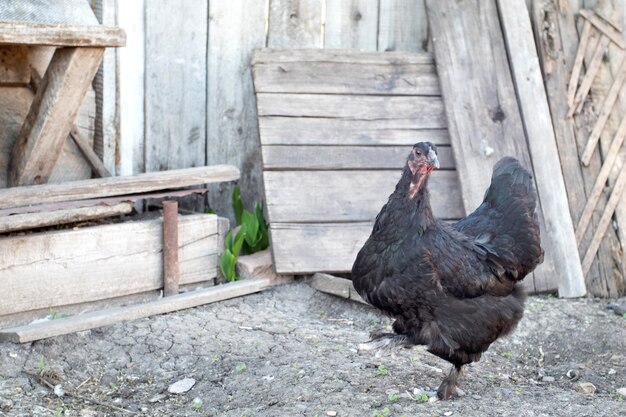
point(291, 351)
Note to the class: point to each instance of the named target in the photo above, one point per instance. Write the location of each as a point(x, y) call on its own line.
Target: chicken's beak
point(432, 159)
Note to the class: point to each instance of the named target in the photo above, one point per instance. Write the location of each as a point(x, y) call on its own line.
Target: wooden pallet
point(336, 127)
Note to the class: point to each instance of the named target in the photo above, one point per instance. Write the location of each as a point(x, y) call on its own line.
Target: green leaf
point(239, 239)
point(251, 223)
point(209, 210)
point(237, 204)
point(228, 241)
point(227, 265)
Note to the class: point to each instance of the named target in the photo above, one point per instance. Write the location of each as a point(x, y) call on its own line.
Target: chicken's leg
point(448, 387)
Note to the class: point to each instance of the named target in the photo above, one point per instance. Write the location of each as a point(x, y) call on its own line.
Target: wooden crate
point(72, 271)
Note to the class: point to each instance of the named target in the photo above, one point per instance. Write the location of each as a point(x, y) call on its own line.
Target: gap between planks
point(37, 331)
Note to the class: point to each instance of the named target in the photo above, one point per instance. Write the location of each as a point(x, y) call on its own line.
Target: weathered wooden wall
point(186, 94)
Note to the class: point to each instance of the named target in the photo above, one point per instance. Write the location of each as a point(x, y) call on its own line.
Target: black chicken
point(451, 287)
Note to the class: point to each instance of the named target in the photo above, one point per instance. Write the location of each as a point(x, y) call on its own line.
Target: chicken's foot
point(448, 387)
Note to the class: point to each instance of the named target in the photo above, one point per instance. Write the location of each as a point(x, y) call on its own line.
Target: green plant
point(383, 413)
point(393, 397)
point(507, 355)
point(382, 370)
point(251, 237)
point(423, 397)
point(254, 225)
point(58, 411)
point(241, 367)
point(228, 258)
point(196, 404)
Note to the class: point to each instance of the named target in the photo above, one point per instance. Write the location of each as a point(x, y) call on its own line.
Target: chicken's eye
point(418, 153)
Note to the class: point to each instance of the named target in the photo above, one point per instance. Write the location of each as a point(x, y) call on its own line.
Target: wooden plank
point(106, 85)
point(95, 263)
point(339, 78)
point(236, 27)
point(604, 27)
point(324, 131)
point(335, 246)
point(556, 30)
point(132, 198)
point(52, 218)
point(14, 64)
point(351, 24)
point(334, 196)
point(601, 180)
point(22, 33)
point(592, 71)
point(131, 65)
point(480, 117)
point(105, 187)
point(616, 195)
point(484, 121)
point(340, 287)
point(114, 315)
point(281, 157)
point(295, 24)
point(426, 112)
point(340, 56)
point(560, 238)
point(578, 64)
point(89, 153)
point(175, 84)
point(402, 26)
point(52, 114)
point(605, 111)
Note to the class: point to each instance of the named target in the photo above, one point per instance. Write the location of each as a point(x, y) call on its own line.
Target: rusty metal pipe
point(171, 273)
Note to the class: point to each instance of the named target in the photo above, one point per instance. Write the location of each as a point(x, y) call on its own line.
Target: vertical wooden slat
point(235, 29)
point(351, 24)
point(107, 88)
point(559, 239)
point(484, 121)
point(131, 15)
point(175, 84)
point(295, 24)
point(403, 26)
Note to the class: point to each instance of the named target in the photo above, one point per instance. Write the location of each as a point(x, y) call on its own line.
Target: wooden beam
point(89, 153)
point(44, 34)
point(616, 196)
point(340, 287)
point(405, 111)
point(601, 180)
point(346, 56)
point(35, 220)
point(536, 117)
point(80, 140)
point(114, 315)
point(590, 75)
point(112, 186)
point(605, 111)
point(346, 78)
point(52, 114)
point(332, 131)
point(604, 27)
point(100, 262)
point(578, 64)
